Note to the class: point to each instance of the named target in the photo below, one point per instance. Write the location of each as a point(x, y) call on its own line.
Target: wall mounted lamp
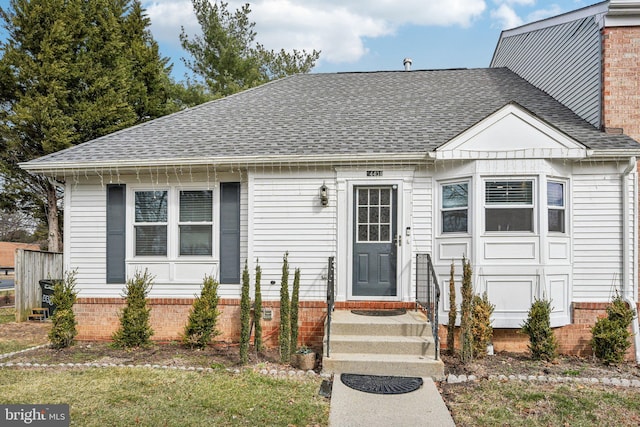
point(324, 195)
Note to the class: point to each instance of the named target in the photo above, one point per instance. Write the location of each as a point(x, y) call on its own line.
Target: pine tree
point(227, 56)
point(285, 319)
point(203, 317)
point(67, 74)
point(295, 298)
point(466, 335)
point(453, 313)
point(257, 311)
point(245, 316)
point(135, 329)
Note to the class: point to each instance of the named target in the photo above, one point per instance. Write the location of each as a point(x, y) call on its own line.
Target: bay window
point(455, 207)
point(556, 206)
point(509, 205)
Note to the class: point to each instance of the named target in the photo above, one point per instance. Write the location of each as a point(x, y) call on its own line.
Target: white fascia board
point(123, 165)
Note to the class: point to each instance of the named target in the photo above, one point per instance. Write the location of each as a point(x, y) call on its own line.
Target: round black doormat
point(394, 312)
point(377, 384)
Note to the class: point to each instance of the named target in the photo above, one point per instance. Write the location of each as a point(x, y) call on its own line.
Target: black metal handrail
point(331, 298)
point(428, 293)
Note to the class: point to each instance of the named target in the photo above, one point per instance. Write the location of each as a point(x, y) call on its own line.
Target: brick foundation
point(98, 319)
point(573, 339)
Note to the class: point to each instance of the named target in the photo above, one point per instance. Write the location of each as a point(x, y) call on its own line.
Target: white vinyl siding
point(597, 233)
point(288, 216)
point(85, 237)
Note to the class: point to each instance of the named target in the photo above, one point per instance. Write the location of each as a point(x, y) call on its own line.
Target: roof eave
point(49, 167)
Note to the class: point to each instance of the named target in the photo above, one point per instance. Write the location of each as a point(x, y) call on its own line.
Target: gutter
point(627, 281)
point(274, 160)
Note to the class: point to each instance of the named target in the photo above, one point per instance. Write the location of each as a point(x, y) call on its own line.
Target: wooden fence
point(31, 267)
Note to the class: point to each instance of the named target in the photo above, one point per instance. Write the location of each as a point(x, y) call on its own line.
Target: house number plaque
point(374, 173)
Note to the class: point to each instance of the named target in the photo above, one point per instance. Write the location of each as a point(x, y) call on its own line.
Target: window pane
point(556, 220)
point(555, 194)
point(454, 221)
point(151, 206)
point(363, 233)
point(196, 206)
point(515, 219)
point(373, 233)
point(374, 197)
point(363, 197)
point(374, 215)
point(385, 215)
point(195, 240)
point(151, 240)
point(509, 192)
point(362, 214)
point(385, 197)
point(455, 195)
point(384, 233)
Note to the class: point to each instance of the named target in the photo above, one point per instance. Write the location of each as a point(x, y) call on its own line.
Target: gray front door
point(374, 247)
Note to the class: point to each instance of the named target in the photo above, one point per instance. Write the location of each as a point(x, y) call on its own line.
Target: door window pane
point(374, 214)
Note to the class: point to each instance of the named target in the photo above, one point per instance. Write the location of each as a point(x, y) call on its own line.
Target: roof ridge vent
point(407, 64)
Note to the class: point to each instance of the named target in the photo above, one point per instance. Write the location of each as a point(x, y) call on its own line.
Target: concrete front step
point(383, 344)
point(413, 323)
point(384, 364)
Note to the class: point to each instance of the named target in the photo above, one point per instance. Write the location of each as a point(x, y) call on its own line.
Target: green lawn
point(7, 315)
point(152, 397)
point(514, 403)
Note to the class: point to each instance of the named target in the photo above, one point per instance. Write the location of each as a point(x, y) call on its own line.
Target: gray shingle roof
point(336, 114)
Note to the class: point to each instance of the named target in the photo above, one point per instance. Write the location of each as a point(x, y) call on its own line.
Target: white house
point(369, 168)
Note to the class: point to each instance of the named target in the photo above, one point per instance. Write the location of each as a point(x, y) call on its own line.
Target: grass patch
point(513, 403)
point(146, 397)
point(12, 345)
point(7, 315)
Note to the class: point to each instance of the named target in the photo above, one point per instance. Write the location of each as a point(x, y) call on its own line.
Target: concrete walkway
point(423, 407)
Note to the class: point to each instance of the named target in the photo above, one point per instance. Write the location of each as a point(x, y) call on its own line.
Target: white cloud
point(335, 27)
point(537, 15)
point(518, 2)
point(506, 17)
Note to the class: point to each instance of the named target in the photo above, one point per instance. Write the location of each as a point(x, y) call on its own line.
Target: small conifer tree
point(466, 335)
point(63, 330)
point(135, 330)
point(203, 316)
point(481, 328)
point(257, 311)
point(295, 297)
point(542, 342)
point(285, 319)
point(245, 316)
point(610, 335)
point(453, 311)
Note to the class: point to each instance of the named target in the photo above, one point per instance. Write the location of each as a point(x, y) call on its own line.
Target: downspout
point(627, 281)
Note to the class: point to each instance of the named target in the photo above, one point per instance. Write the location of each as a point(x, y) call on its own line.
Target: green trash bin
point(47, 286)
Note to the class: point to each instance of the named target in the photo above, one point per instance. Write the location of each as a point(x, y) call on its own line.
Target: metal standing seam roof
point(341, 114)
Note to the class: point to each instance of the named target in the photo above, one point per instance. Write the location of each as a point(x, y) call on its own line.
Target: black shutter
point(230, 232)
point(116, 233)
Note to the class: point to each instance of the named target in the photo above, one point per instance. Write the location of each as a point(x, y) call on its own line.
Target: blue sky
point(368, 35)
